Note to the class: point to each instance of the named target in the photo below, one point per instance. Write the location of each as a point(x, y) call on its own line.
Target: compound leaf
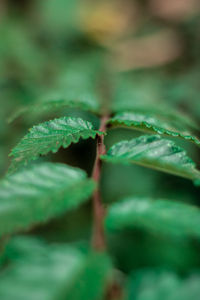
point(57, 272)
point(160, 216)
point(49, 137)
point(42, 192)
point(152, 123)
point(156, 153)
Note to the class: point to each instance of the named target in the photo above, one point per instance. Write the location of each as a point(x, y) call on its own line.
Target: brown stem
point(98, 239)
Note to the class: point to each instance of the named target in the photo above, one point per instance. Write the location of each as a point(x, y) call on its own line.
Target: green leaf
point(49, 137)
point(151, 123)
point(76, 87)
point(156, 153)
point(40, 193)
point(143, 94)
point(158, 284)
point(160, 216)
point(55, 102)
point(41, 272)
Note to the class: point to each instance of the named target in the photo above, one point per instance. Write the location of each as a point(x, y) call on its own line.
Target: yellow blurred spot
point(104, 21)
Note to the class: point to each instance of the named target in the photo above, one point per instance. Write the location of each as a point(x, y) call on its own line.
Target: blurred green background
point(152, 44)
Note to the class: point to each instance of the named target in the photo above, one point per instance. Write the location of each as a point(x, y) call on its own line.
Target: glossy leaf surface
point(156, 153)
point(154, 124)
point(40, 193)
point(49, 137)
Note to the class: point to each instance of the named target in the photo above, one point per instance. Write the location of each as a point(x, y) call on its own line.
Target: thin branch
point(98, 239)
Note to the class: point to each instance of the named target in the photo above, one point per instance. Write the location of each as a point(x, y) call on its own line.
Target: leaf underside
point(40, 193)
point(151, 123)
point(57, 272)
point(154, 152)
point(158, 284)
point(49, 137)
point(159, 216)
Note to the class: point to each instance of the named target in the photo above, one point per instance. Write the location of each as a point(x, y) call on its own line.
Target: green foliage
point(74, 70)
point(155, 215)
point(40, 193)
point(141, 94)
point(75, 87)
point(166, 285)
point(49, 137)
point(58, 272)
point(153, 152)
point(59, 17)
point(57, 103)
point(15, 32)
point(150, 123)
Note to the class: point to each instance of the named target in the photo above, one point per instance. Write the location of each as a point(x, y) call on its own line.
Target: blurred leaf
point(143, 248)
point(162, 216)
point(57, 103)
point(143, 93)
point(149, 123)
point(19, 49)
point(137, 91)
point(155, 285)
point(57, 272)
point(183, 89)
point(75, 87)
point(49, 137)
point(40, 193)
point(58, 18)
point(153, 152)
